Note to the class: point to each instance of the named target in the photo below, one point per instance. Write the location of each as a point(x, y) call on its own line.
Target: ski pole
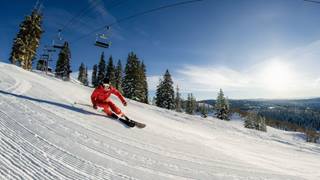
point(83, 104)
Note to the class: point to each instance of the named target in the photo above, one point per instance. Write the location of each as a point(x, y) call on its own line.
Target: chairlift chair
point(102, 41)
point(58, 43)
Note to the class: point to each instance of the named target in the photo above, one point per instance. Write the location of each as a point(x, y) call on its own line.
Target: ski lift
point(102, 40)
point(58, 43)
point(49, 49)
point(45, 59)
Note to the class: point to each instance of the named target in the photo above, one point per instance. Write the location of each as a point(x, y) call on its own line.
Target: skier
point(100, 98)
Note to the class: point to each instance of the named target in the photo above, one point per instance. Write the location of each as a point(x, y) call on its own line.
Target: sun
point(277, 76)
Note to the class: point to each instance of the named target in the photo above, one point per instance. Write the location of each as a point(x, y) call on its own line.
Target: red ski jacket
point(100, 95)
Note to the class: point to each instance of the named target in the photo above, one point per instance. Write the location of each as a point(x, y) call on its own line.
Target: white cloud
point(292, 75)
point(212, 77)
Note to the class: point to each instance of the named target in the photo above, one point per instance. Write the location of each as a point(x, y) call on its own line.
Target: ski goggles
point(106, 85)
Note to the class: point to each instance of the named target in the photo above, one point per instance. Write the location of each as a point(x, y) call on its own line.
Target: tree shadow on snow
point(65, 106)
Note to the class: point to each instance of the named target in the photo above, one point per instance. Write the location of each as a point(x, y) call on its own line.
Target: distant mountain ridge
point(290, 102)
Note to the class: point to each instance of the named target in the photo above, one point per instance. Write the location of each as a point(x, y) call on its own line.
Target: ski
point(127, 121)
point(82, 104)
point(137, 124)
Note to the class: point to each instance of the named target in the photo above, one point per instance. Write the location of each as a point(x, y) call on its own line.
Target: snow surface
point(45, 136)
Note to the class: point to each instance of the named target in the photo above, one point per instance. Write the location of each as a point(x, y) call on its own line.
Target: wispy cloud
point(291, 75)
point(104, 17)
point(94, 17)
point(212, 77)
point(100, 9)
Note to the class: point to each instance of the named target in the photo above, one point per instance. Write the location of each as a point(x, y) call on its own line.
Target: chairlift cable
point(86, 10)
point(78, 16)
point(111, 5)
point(137, 15)
point(81, 13)
point(116, 4)
point(68, 23)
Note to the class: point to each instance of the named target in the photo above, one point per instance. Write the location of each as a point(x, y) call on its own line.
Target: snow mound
point(45, 136)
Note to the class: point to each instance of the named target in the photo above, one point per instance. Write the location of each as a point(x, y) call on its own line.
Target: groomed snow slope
point(44, 136)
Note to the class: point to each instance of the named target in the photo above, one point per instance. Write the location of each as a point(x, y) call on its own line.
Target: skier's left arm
point(94, 100)
point(119, 95)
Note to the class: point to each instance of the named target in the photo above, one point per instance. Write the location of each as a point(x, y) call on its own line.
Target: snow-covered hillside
point(44, 136)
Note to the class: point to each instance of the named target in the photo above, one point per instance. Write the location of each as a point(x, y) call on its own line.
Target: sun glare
point(277, 76)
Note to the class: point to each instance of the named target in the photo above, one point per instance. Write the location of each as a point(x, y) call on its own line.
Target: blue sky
point(249, 48)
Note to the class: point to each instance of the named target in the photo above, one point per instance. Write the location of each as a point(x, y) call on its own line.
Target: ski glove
point(125, 103)
point(95, 106)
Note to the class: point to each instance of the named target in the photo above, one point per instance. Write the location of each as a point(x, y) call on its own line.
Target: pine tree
point(165, 92)
point(145, 93)
point(85, 79)
point(178, 100)
point(131, 85)
point(59, 66)
point(254, 121)
point(110, 72)
point(159, 94)
point(249, 120)
point(262, 124)
point(94, 79)
point(220, 102)
point(118, 75)
point(183, 104)
point(190, 104)
point(203, 110)
point(222, 106)
point(134, 83)
point(101, 69)
point(63, 68)
point(27, 41)
point(193, 103)
point(81, 74)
